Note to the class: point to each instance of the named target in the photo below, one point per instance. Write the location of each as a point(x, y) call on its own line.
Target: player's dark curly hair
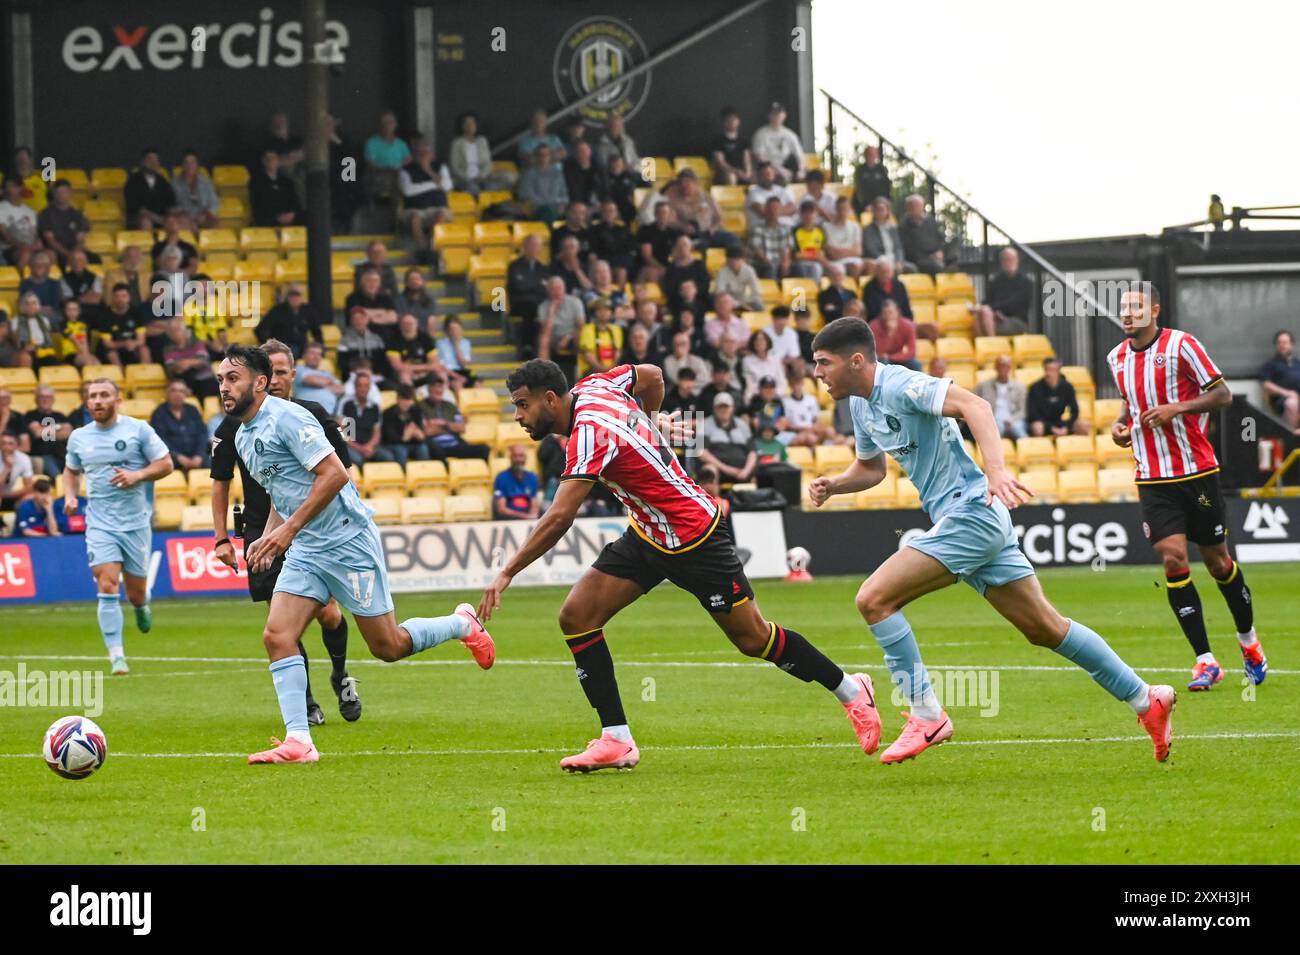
point(846, 335)
point(538, 374)
point(256, 360)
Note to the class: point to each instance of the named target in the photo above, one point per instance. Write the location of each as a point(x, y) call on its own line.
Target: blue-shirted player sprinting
point(118, 456)
point(910, 415)
point(330, 545)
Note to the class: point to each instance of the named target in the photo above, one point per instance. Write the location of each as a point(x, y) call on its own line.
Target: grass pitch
point(740, 763)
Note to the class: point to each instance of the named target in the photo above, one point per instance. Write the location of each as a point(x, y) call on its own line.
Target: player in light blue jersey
point(118, 455)
point(331, 547)
point(909, 416)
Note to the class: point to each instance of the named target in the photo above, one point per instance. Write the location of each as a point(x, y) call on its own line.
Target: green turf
point(734, 757)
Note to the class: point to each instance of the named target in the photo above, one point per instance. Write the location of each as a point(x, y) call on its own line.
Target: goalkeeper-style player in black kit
point(257, 508)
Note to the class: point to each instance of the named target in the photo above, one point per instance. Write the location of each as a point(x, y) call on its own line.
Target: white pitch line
point(623, 663)
point(691, 748)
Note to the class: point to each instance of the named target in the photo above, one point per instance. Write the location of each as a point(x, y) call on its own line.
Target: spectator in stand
point(615, 141)
point(637, 350)
point(761, 364)
point(207, 314)
point(575, 226)
point(770, 442)
point(647, 317)
point(885, 287)
point(79, 283)
point(360, 342)
point(526, 279)
point(38, 516)
point(371, 296)
point(764, 402)
point(1052, 405)
point(737, 278)
point(803, 328)
point(516, 491)
point(584, 180)
point(696, 213)
point(16, 471)
point(413, 355)
point(75, 339)
point(385, 154)
point(444, 426)
point(34, 334)
point(560, 317)
point(551, 456)
point(844, 240)
point(1008, 299)
point(682, 358)
point(611, 240)
point(803, 416)
point(602, 284)
point(766, 187)
point(314, 382)
point(11, 356)
point(35, 194)
point(831, 300)
point(19, 231)
point(172, 224)
point(542, 188)
point(732, 161)
point(292, 321)
point(46, 431)
point(568, 266)
point(121, 330)
point(131, 272)
point(196, 196)
point(621, 183)
point(882, 238)
point(870, 181)
point(727, 444)
point(471, 159)
point(456, 354)
point(360, 421)
point(424, 183)
point(810, 244)
point(772, 243)
point(682, 397)
point(38, 282)
point(180, 425)
point(402, 428)
point(538, 136)
point(1006, 396)
point(147, 193)
point(656, 242)
point(683, 266)
point(895, 336)
point(777, 144)
point(600, 341)
point(721, 380)
point(61, 225)
point(923, 238)
point(690, 300)
point(823, 199)
point(729, 354)
point(81, 416)
point(415, 298)
point(1280, 377)
point(286, 145)
point(377, 259)
point(273, 196)
point(785, 341)
point(725, 321)
point(189, 359)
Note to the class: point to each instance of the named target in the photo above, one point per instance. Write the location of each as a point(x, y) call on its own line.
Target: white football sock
point(1206, 658)
point(848, 689)
point(1141, 700)
point(1248, 639)
point(302, 736)
point(619, 732)
point(927, 707)
point(115, 652)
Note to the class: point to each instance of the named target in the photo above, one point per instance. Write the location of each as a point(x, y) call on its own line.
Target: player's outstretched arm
point(649, 388)
point(546, 533)
point(858, 476)
point(331, 477)
point(978, 415)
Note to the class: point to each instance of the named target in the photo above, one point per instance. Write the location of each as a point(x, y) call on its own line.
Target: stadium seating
point(1104, 413)
point(1116, 484)
point(388, 510)
point(955, 351)
point(423, 477)
point(196, 517)
point(169, 512)
point(1031, 348)
point(379, 476)
point(1035, 451)
point(989, 347)
point(954, 287)
point(1076, 450)
point(1043, 482)
point(883, 496)
point(832, 458)
point(465, 508)
point(1078, 486)
point(956, 319)
point(422, 510)
point(463, 472)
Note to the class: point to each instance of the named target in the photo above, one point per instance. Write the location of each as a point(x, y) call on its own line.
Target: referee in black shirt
point(257, 508)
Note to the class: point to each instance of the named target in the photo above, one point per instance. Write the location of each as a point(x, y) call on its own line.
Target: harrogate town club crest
point(596, 53)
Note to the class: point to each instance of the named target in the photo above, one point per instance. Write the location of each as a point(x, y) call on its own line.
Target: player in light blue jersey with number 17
point(118, 456)
point(909, 416)
point(330, 544)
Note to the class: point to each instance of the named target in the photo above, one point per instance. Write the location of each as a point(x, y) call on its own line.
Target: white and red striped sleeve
point(622, 377)
point(591, 449)
point(1195, 362)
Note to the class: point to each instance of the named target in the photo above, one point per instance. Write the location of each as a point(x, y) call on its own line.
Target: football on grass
point(74, 747)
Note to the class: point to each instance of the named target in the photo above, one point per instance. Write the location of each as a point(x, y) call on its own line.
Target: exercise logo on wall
point(595, 52)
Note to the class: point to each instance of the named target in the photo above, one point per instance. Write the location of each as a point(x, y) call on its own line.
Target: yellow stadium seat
point(197, 517)
point(107, 179)
point(1116, 484)
point(771, 291)
point(198, 483)
point(490, 197)
point(1073, 450)
point(989, 347)
point(290, 270)
point(112, 372)
point(697, 164)
point(1085, 408)
point(963, 375)
point(1043, 482)
point(61, 377)
point(801, 457)
point(232, 212)
point(463, 206)
point(1081, 378)
point(919, 286)
point(954, 287)
point(1035, 451)
point(1027, 376)
point(479, 432)
point(522, 230)
point(229, 176)
point(883, 496)
point(378, 475)
point(1078, 486)
point(293, 237)
point(455, 259)
point(924, 351)
point(832, 458)
point(925, 313)
point(469, 507)
point(486, 267)
point(175, 485)
point(255, 270)
point(447, 234)
point(142, 408)
point(729, 197)
point(169, 512)
point(955, 350)
point(798, 288)
point(218, 240)
point(479, 399)
point(259, 238)
point(1110, 454)
point(906, 495)
point(1104, 413)
point(1031, 348)
point(467, 471)
point(425, 476)
point(956, 319)
point(422, 510)
point(487, 234)
point(388, 510)
point(150, 375)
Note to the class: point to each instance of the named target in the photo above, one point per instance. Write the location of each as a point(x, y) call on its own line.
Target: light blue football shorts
point(352, 572)
point(130, 548)
point(978, 544)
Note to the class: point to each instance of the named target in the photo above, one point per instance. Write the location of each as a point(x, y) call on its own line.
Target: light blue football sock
point(110, 622)
point(428, 632)
point(1087, 649)
point(903, 657)
point(290, 678)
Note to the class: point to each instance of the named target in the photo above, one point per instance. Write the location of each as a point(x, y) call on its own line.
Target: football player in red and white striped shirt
point(1169, 385)
point(617, 437)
